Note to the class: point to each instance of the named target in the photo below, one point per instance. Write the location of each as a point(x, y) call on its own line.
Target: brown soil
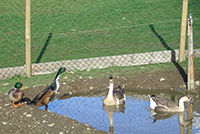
point(29, 119)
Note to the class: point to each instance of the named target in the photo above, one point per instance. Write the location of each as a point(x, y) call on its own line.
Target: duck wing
point(50, 88)
point(40, 95)
point(15, 94)
point(163, 102)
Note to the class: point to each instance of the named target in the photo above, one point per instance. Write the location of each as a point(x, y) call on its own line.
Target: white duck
point(115, 96)
point(160, 104)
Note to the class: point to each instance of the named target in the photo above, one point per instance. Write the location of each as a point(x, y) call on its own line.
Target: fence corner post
point(190, 82)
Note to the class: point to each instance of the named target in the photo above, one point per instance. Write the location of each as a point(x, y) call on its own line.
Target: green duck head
point(19, 85)
point(61, 70)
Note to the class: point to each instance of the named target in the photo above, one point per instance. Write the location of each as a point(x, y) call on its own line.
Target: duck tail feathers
point(28, 101)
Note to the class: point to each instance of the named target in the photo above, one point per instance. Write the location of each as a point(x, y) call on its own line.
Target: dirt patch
point(29, 119)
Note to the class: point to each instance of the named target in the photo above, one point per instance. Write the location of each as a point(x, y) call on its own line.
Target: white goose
point(160, 104)
point(115, 96)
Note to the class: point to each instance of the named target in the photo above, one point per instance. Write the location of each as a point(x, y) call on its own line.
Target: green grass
point(95, 73)
point(85, 28)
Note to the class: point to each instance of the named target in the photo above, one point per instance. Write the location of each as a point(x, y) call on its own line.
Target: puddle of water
point(134, 117)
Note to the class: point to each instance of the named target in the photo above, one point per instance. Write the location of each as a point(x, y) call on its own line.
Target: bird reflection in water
point(110, 110)
point(183, 121)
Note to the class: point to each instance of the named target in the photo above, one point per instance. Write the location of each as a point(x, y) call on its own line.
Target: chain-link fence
point(92, 34)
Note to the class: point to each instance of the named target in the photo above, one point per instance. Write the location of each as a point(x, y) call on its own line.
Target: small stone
point(64, 83)
point(65, 77)
point(6, 94)
point(5, 84)
point(61, 132)
point(90, 77)
point(88, 128)
point(88, 70)
point(183, 86)
point(162, 79)
point(80, 77)
point(44, 116)
point(4, 123)
point(28, 115)
point(197, 83)
point(51, 125)
point(70, 93)
point(87, 125)
point(7, 104)
point(91, 88)
point(72, 72)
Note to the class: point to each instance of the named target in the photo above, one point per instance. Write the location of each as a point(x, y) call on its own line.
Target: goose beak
point(23, 88)
point(69, 72)
point(191, 101)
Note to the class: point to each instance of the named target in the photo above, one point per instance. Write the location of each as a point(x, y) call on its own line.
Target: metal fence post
point(183, 30)
point(28, 38)
point(190, 55)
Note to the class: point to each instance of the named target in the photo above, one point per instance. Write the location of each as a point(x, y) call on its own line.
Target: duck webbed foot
point(14, 105)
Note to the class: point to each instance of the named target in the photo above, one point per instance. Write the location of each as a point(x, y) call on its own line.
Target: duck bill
point(23, 88)
point(69, 72)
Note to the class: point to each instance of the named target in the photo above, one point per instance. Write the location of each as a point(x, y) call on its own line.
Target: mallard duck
point(160, 104)
point(114, 97)
point(16, 94)
point(49, 93)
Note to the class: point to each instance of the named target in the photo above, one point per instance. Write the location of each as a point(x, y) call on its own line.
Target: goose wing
point(163, 102)
point(119, 93)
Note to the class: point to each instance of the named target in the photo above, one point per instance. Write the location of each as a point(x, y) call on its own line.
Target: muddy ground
point(29, 119)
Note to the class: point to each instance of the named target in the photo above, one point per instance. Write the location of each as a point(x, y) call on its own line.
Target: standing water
point(134, 117)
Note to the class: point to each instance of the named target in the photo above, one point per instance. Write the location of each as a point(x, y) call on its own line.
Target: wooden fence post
point(183, 30)
point(28, 38)
point(190, 82)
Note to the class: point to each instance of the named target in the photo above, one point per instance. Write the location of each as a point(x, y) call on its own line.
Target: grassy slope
point(67, 19)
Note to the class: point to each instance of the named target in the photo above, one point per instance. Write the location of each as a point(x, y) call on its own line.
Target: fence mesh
point(69, 31)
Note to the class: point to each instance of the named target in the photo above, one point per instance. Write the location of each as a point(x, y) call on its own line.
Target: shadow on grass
point(43, 49)
point(173, 56)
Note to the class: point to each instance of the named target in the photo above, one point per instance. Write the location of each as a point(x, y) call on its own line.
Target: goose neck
point(181, 103)
point(110, 93)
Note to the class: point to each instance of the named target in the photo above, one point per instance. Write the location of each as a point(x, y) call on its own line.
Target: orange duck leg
point(14, 106)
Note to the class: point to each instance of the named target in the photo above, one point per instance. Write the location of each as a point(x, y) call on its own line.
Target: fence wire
point(86, 34)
